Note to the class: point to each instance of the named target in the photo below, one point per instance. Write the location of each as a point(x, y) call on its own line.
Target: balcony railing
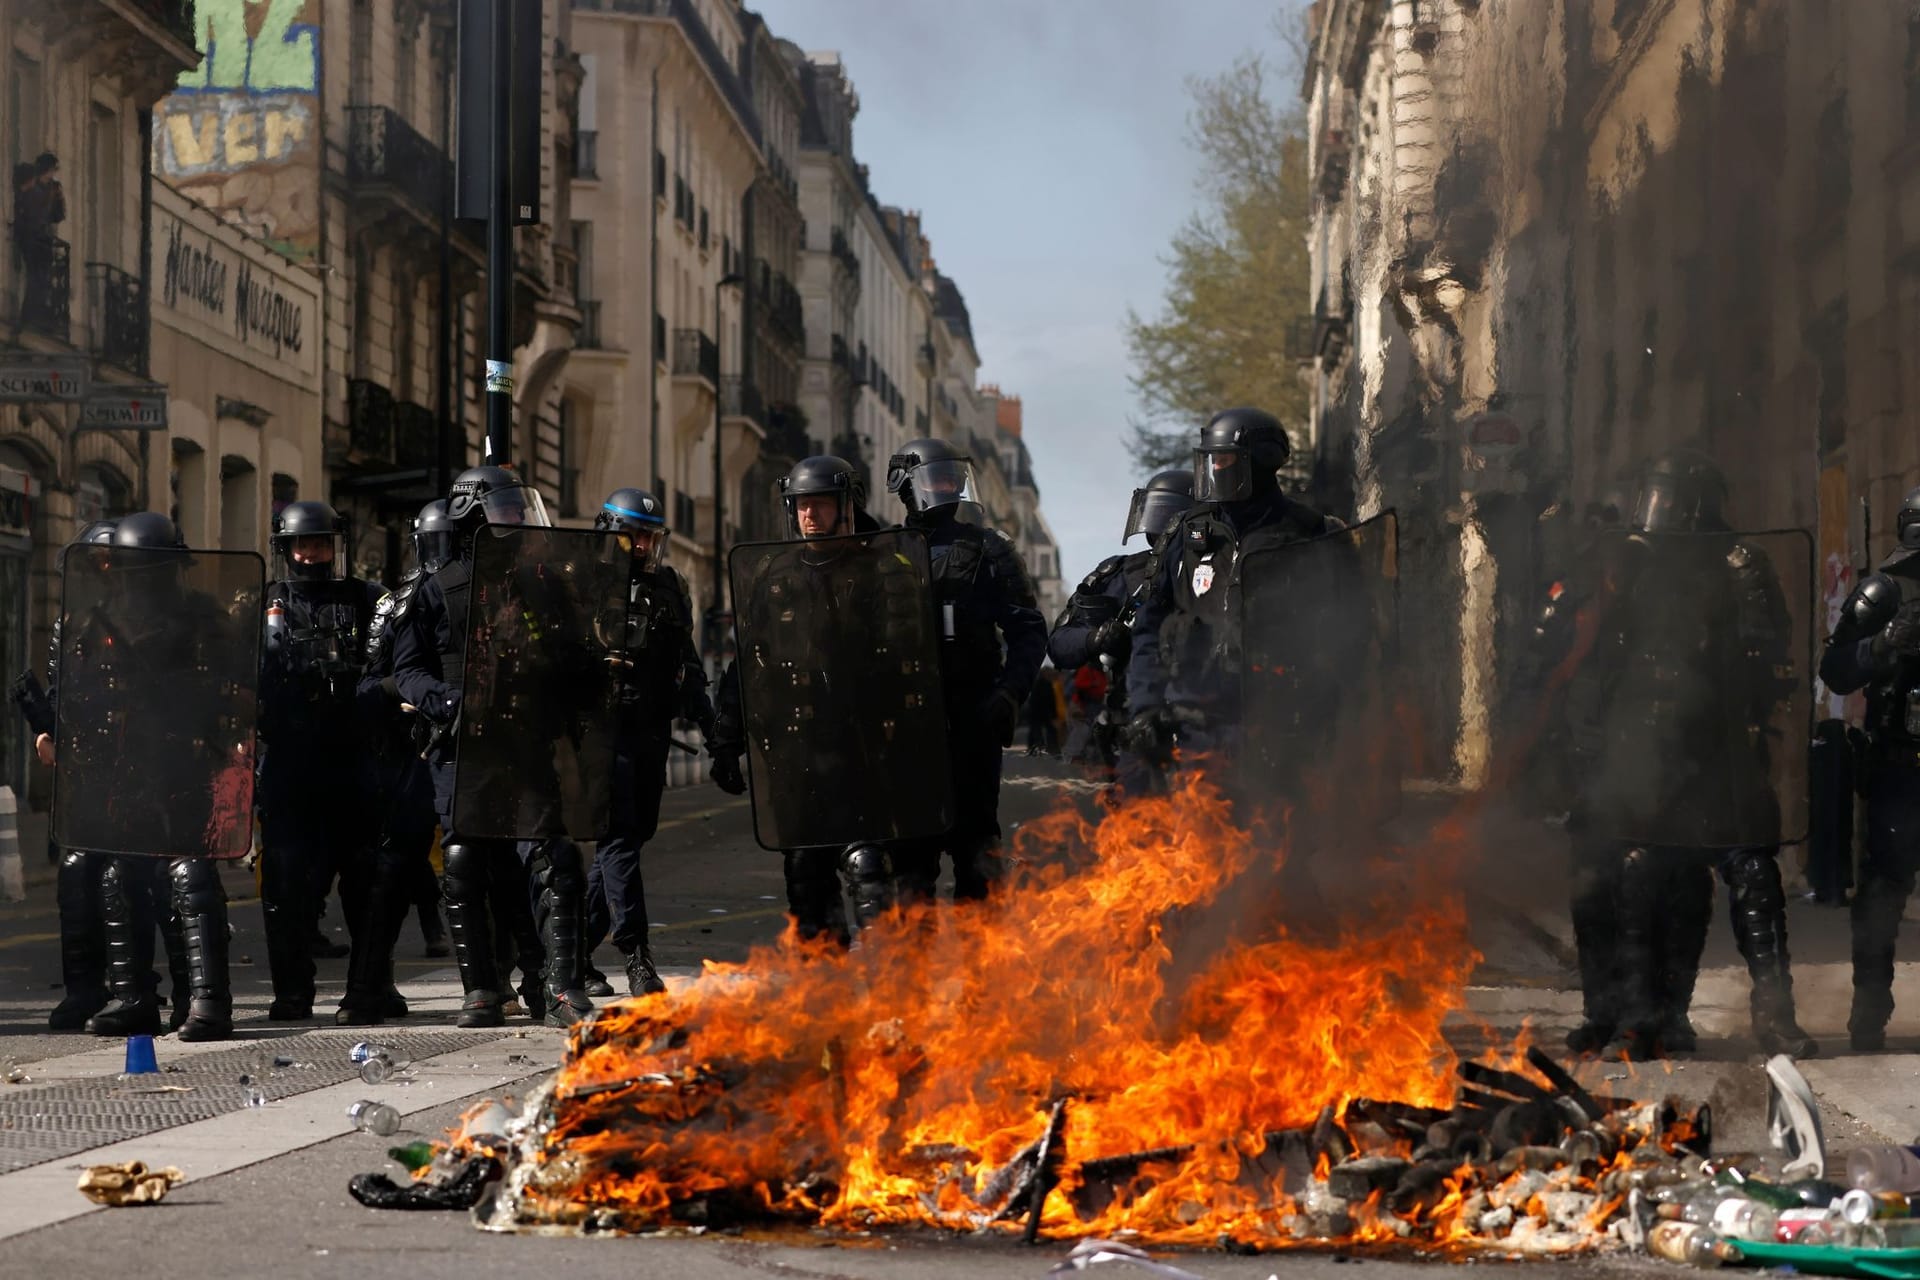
point(838, 351)
point(695, 354)
point(701, 234)
point(118, 310)
point(740, 398)
point(46, 286)
point(384, 151)
point(589, 336)
point(586, 153)
point(660, 174)
point(659, 337)
point(370, 420)
point(843, 253)
point(416, 435)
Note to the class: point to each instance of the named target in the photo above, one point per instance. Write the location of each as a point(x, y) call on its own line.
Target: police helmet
point(1239, 456)
point(1159, 504)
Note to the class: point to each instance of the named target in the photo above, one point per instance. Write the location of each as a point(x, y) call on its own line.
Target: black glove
point(1150, 733)
point(726, 772)
point(1000, 713)
point(1112, 639)
point(1902, 635)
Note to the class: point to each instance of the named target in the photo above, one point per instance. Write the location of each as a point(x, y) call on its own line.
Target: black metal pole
point(443, 337)
point(499, 384)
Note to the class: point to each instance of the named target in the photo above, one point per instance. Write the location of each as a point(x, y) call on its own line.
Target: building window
point(239, 514)
point(100, 493)
point(286, 492)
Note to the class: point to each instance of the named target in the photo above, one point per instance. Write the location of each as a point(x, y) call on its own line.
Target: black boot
point(813, 895)
point(179, 969)
point(1682, 939)
point(370, 996)
point(127, 921)
point(83, 943)
point(287, 911)
point(1759, 905)
point(1878, 906)
point(1643, 877)
point(642, 978)
point(465, 887)
point(562, 918)
point(1594, 906)
point(200, 901)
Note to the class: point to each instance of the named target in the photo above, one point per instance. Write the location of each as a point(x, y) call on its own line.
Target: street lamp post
point(731, 280)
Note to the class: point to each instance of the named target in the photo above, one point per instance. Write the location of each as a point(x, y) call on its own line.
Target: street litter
point(116, 1185)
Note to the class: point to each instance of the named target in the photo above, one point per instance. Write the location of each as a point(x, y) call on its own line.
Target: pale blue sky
point(1045, 143)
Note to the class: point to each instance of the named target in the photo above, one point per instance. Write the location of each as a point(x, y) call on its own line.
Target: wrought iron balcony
point(695, 355)
point(659, 337)
point(391, 158)
point(117, 315)
point(660, 174)
point(843, 253)
point(588, 339)
point(701, 234)
point(416, 435)
point(838, 351)
point(370, 420)
point(740, 398)
point(586, 153)
point(46, 287)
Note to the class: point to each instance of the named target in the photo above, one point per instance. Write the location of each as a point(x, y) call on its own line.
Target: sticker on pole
point(499, 378)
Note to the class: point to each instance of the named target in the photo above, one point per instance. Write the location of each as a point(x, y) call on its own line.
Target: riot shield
point(1318, 644)
point(839, 672)
point(1704, 654)
point(158, 680)
point(546, 616)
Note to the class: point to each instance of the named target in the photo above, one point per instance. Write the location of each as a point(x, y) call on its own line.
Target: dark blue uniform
point(316, 823)
point(1874, 648)
point(993, 640)
point(1104, 596)
point(665, 683)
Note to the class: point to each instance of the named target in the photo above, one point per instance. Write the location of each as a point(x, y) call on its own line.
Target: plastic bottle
point(1885, 1168)
point(415, 1155)
point(1692, 1244)
point(374, 1117)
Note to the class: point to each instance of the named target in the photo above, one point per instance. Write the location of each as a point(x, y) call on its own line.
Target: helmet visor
point(647, 544)
point(1222, 475)
point(818, 515)
point(433, 548)
point(519, 504)
point(932, 485)
point(1152, 511)
point(311, 557)
point(1661, 508)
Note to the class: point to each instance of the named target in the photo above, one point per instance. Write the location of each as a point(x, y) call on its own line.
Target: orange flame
point(1145, 979)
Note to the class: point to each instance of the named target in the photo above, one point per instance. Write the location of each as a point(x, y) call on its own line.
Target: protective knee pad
point(196, 886)
point(1753, 879)
point(463, 872)
point(558, 867)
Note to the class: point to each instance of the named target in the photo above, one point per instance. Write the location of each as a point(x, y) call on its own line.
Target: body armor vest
point(456, 584)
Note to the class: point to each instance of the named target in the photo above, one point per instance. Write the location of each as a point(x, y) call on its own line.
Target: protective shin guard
point(126, 920)
point(1682, 940)
point(465, 889)
point(1759, 907)
point(562, 915)
point(200, 901)
point(83, 943)
point(179, 968)
point(1878, 907)
point(1593, 906)
point(370, 964)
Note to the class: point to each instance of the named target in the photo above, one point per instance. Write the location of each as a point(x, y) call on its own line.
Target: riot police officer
point(824, 497)
point(1095, 625)
point(993, 638)
point(663, 681)
point(1876, 647)
point(314, 651)
point(429, 657)
point(161, 624)
point(1692, 642)
point(399, 792)
point(1184, 677)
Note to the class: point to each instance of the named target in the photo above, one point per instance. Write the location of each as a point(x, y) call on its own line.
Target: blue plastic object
point(140, 1059)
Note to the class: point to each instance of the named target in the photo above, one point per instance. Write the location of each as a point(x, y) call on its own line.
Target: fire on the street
point(954, 1074)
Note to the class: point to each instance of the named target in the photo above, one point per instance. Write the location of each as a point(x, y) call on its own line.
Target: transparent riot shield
point(1704, 656)
point(545, 619)
point(840, 688)
point(1318, 647)
point(158, 680)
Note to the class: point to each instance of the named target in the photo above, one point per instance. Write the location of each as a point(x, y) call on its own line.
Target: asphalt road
point(267, 1185)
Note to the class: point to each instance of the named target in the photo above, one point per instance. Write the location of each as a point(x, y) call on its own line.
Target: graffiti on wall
point(240, 133)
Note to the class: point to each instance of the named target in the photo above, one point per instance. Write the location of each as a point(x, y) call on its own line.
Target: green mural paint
point(277, 60)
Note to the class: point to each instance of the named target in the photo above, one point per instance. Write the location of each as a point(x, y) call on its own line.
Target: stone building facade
point(1554, 240)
